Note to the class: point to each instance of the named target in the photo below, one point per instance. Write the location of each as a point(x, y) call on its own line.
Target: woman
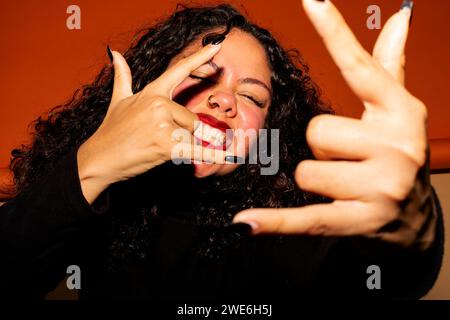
point(97, 189)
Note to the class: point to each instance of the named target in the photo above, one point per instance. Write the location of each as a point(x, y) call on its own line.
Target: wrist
point(93, 175)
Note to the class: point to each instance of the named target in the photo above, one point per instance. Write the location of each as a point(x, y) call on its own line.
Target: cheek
point(251, 118)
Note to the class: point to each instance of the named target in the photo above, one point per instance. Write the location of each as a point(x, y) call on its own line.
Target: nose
point(224, 102)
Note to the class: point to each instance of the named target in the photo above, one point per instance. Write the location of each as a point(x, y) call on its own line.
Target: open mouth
point(213, 133)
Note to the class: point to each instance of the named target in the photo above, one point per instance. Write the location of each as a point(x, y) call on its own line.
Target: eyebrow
point(245, 80)
point(257, 82)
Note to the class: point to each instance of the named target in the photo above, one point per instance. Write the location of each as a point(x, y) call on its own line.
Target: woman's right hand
point(136, 133)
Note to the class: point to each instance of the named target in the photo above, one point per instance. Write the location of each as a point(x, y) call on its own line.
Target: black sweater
point(51, 226)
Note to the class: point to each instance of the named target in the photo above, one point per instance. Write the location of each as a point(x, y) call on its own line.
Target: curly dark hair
point(296, 99)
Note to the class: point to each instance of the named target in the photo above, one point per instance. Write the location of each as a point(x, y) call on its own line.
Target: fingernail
point(408, 4)
point(110, 55)
point(251, 225)
point(321, 0)
point(240, 227)
point(218, 40)
point(213, 39)
point(234, 159)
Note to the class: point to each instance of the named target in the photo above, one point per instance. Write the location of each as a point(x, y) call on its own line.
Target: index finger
point(175, 74)
point(368, 80)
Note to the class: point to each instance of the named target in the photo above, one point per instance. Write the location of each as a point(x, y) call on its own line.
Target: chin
point(203, 170)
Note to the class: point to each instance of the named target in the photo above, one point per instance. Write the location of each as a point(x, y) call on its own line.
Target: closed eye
point(205, 79)
point(255, 101)
point(208, 80)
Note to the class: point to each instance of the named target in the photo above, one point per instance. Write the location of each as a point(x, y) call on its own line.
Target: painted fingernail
point(213, 39)
point(408, 4)
point(254, 226)
point(234, 159)
point(241, 228)
point(218, 40)
point(110, 55)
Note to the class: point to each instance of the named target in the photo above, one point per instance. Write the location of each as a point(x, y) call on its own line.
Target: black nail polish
point(412, 13)
point(218, 40)
point(240, 227)
point(321, 0)
point(210, 38)
point(407, 4)
point(213, 38)
point(410, 5)
point(110, 55)
point(234, 159)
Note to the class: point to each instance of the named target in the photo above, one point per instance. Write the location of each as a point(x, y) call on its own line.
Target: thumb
point(122, 78)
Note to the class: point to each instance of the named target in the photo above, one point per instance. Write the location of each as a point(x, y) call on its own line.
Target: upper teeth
point(210, 134)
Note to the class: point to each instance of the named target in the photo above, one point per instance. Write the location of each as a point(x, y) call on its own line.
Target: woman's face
point(232, 91)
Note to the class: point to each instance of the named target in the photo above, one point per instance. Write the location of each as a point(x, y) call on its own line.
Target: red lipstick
point(220, 125)
point(213, 122)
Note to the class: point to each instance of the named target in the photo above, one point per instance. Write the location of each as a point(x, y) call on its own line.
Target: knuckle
point(396, 189)
point(159, 109)
point(416, 153)
point(415, 107)
point(373, 226)
point(314, 129)
point(157, 102)
point(318, 227)
point(164, 126)
point(408, 148)
point(421, 108)
point(372, 221)
point(301, 173)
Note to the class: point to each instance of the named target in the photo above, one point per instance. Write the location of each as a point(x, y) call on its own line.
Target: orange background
point(42, 62)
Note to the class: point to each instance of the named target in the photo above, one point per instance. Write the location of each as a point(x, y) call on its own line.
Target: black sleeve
point(406, 273)
point(338, 267)
point(42, 230)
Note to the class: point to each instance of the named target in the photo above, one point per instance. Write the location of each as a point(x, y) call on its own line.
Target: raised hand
point(369, 165)
point(136, 134)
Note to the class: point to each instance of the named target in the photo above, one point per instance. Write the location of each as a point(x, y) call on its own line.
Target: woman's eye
point(254, 100)
point(210, 81)
point(205, 79)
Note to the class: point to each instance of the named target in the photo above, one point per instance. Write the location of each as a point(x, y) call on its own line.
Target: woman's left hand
point(369, 165)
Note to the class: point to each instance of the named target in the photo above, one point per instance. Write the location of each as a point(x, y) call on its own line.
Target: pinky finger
point(340, 218)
